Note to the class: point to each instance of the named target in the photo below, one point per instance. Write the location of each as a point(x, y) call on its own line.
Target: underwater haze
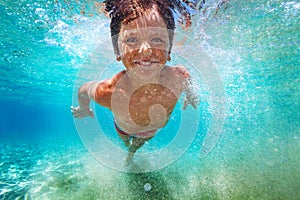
point(255, 47)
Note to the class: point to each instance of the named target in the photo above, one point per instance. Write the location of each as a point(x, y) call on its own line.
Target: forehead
point(148, 19)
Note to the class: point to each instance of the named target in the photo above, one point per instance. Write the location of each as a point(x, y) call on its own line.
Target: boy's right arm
point(85, 94)
point(100, 92)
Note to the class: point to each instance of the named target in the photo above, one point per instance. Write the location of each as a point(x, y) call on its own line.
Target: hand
point(80, 112)
point(191, 101)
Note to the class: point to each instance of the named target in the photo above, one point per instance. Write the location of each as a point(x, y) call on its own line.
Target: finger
point(185, 104)
point(74, 109)
point(196, 103)
point(73, 112)
point(184, 107)
point(194, 106)
point(91, 114)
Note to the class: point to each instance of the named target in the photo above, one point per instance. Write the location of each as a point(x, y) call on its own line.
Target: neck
point(138, 78)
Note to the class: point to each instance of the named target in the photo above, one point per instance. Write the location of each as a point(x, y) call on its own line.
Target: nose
point(145, 49)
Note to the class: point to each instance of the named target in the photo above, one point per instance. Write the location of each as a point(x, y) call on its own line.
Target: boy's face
point(144, 41)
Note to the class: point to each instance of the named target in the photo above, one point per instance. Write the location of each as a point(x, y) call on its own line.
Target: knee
point(138, 142)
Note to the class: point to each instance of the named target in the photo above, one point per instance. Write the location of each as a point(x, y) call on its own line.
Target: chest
point(137, 105)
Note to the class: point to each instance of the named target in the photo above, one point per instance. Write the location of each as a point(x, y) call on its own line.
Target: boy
point(143, 96)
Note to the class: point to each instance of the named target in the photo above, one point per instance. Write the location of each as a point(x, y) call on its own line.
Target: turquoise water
point(255, 48)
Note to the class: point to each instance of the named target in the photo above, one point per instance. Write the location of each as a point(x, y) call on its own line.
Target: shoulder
point(180, 71)
point(106, 86)
point(110, 83)
point(105, 89)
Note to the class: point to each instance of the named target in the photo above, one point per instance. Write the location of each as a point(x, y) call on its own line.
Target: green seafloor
point(255, 48)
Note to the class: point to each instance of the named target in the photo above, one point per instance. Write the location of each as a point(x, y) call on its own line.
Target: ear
point(119, 58)
point(169, 58)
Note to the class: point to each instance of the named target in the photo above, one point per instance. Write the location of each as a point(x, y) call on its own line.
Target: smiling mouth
point(145, 63)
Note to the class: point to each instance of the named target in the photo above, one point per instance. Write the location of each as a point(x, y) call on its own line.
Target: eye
point(131, 40)
point(158, 40)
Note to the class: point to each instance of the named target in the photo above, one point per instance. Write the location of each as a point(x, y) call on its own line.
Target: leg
point(126, 139)
point(135, 145)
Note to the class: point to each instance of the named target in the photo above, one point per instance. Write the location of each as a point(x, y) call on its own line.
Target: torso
point(147, 107)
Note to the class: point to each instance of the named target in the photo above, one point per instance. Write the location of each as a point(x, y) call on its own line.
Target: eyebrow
point(159, 34)
point(154, 33)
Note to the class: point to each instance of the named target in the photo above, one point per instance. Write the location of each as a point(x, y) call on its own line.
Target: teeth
point(145, 63)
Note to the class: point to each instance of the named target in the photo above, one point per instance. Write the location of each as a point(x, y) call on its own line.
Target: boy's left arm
point(191, 97)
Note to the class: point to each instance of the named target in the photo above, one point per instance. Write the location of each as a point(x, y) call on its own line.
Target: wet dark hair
point(124, 11)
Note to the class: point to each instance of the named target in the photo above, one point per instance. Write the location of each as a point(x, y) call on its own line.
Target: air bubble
point(147, 187)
